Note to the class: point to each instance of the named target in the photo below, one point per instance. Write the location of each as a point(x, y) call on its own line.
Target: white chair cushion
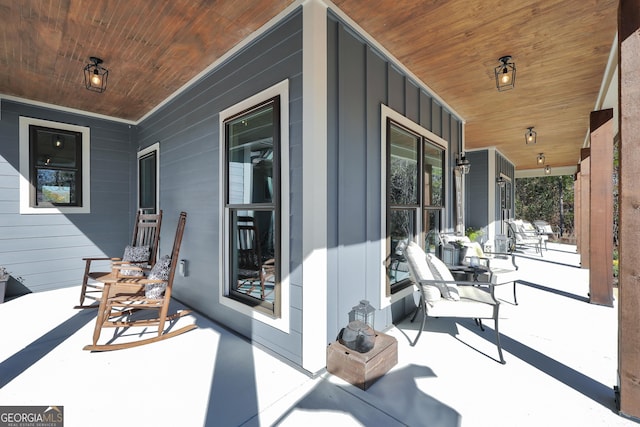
point(441, 272)
point(428, 267)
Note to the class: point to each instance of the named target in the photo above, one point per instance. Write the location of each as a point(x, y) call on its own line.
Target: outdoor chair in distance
point(146, 235)
point(442, 296)
point(125, 299)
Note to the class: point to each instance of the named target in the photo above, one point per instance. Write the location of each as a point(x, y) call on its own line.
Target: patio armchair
point(524, 234)
point(141, 253)
point(442, 296)
point(500, 268)
point(124, 298)
point(545, 229)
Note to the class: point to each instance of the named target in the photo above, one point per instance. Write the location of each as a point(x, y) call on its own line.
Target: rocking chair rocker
point(124, 297)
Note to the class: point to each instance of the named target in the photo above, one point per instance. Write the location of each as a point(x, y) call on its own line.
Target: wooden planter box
point(363, 369)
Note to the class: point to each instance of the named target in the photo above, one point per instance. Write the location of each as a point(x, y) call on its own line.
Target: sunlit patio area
point(560, 352)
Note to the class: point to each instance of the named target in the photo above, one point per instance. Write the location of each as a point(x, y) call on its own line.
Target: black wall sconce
point(540, 159)
point(95, 75)
point(505, 74)
point(463, 165)
point(530, 136)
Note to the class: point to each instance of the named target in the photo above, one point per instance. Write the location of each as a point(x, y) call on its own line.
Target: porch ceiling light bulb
point(95, 75)
point(505, 74)
point(547, 170)
point(530, 136)
point(541, 159)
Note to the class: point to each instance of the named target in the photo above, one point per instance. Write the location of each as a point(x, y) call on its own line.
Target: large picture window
point(252, 179)
point(415, 194)
point(254, 166)
point(54, 167)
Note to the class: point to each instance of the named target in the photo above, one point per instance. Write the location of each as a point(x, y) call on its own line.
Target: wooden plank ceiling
point(152, 48)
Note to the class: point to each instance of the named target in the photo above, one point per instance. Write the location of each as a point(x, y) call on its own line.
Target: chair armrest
point(454, 282)
point(118, 266)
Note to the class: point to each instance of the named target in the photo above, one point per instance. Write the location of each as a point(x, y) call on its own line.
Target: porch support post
point(601, 208)
point(577, 207)
point(629, 205)
point(314, 186)
point(585, 204)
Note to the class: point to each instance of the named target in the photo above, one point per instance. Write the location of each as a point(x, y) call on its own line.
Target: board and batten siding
point(506, 168)
point(360, 79)
point(46, 250)
point(477, 190)
point(187, 130)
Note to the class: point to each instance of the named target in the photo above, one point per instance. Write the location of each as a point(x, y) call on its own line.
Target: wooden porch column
point(601, 208)
point(629, 205)
point(585, 203)
point(577, 208)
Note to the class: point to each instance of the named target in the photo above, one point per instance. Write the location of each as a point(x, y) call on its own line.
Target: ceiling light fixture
point(547, 170)
point(530, 136)
point(505, 74)
point(540, 159)
point(95, 76)
point(463, 165)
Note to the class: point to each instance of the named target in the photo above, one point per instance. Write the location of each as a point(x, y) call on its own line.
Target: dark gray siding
point(476, 190)
point(188, 132)
point(505, 167)
point(46, 250)
point(360, 79)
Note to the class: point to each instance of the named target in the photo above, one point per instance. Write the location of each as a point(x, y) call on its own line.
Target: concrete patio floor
point(561, 355)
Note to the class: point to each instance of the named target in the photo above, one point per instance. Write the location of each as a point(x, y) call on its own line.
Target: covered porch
point(561, 355)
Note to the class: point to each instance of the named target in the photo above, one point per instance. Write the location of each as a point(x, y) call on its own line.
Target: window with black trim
point(55, 167)
point(415, 195)
point(252, 205)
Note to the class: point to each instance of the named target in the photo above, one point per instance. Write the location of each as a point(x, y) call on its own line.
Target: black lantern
point(547, 170)
point(540, 159)
point(95, 76)
point(505, 74)
point(463, 165)
point(530, 136)
point(363, 312)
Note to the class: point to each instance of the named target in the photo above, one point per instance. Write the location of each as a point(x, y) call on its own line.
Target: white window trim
point(388, 113)
point(25, 184)
point(282, 323)
point(154, 147)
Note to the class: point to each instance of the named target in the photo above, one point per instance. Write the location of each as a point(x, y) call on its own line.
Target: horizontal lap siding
point(46, 250)
point(360, 78)
point(188, 131)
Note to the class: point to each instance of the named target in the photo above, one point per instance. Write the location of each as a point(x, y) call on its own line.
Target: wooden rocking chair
point(124, 297)
point(146, 232)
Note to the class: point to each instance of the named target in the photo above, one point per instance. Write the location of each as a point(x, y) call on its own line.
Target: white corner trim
point(314, 185)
